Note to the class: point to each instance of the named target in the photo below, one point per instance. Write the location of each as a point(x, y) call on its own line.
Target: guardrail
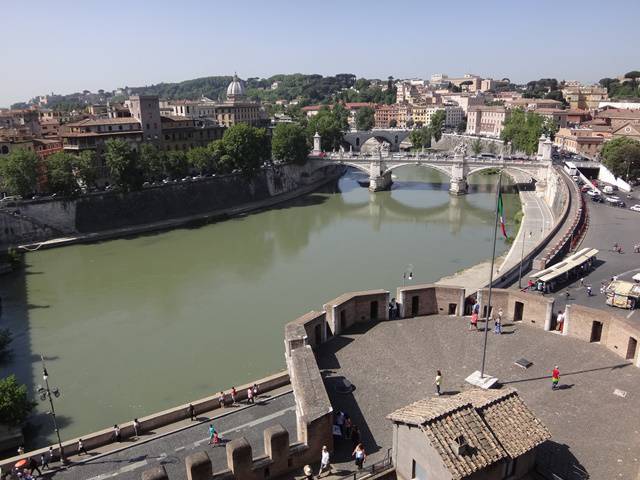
point(375, 468)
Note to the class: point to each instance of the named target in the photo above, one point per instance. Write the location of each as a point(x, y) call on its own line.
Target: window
point(110, 128)
point(119, 127)
point(148, 127)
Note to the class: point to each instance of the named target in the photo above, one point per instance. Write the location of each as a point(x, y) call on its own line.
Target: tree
point(476, 147)
point(20, 172)
point(462, 127)
point(176, 164)
point(289, 143)
point(5, 340)
point(365, 118)
point(15, 406)
point(437, 124)
point(61, 173)
point(420, 138)
point(242, 147)
point(523, 130)
point(622, 156)
point(152, 162)
point(201, 159)
point(86, 170)
point(123, 165)
point(330, 124)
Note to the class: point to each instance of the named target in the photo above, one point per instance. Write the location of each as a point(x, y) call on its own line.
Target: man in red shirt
point(555, 378)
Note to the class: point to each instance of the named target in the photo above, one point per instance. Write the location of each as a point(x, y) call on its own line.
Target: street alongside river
point(137, 325)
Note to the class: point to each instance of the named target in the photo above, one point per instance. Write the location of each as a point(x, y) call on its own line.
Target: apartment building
point(486, 120)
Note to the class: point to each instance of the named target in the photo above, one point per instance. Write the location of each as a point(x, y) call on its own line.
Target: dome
point(235, 88)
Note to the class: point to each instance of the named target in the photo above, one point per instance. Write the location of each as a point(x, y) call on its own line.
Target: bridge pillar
point(380, 182)
point(458, 185)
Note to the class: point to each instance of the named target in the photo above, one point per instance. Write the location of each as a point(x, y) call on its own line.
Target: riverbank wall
point(106, 215)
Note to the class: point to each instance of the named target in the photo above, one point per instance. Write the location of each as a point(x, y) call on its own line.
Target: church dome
point(235, 88)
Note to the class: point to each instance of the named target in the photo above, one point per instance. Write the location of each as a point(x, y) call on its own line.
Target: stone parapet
point(429, 299)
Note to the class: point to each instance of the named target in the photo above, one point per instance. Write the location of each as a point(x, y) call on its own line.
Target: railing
point(418, 157)
point(372, 469)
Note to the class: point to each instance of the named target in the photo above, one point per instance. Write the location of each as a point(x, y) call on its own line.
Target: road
point(171, 450)
point(608, 225)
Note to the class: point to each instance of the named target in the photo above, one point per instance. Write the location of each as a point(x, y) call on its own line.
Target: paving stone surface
point(394, 363)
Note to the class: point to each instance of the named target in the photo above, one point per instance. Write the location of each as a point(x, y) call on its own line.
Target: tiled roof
point(619, 113)
point(102, 121)
point(495, 424)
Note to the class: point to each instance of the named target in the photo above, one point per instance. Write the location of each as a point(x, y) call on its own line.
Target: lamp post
point(407, 274)
point(48, 393)
point(521, 259)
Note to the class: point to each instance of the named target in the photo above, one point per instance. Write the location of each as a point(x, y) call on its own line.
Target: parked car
point(635, 208)
point(592, 193)
point(608, 189)
point(10, 199)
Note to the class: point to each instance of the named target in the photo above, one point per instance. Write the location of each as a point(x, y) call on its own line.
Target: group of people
point(394, 309)
point(252, 394)
point(475, 312)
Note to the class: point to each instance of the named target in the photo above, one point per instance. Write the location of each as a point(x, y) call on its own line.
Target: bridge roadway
point(171, 449)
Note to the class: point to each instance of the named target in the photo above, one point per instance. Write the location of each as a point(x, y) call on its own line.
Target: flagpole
point(493, 259)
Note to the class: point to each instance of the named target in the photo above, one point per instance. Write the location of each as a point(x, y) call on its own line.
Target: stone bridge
point(355, 139)
point(457, 165)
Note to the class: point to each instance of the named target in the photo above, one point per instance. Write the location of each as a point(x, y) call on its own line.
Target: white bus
point(570, 168)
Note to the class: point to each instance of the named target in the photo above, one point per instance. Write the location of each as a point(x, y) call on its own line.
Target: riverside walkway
point(537, 222)
point(169, 446)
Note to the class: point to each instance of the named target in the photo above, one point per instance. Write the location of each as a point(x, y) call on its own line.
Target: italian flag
point(501, 215)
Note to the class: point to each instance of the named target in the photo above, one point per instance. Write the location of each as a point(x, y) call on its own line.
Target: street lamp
point(521, 259)
point(407, 274)
point(48, 393)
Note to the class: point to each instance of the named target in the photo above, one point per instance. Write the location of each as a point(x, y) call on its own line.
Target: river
point(137, 325)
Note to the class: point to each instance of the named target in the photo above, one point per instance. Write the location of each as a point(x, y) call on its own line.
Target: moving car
point(635, 208)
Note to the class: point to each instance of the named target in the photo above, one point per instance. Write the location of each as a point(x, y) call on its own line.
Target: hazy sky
point(65, 46)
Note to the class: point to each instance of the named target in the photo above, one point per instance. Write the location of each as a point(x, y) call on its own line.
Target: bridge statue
point(460, 150)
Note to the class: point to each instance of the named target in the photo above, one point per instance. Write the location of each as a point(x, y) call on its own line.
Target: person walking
point(50, 455)
point(497, 327)
point(360, 456)
point(212, 432)
point(348, 426)
point(44, 461)
point(255, 390)
point(116, 433)
point(191, 411)
point(559, 321)
point(81, 449)
point(589, 291)
point(136, 427)
point(250, 396)
point(216, 438)
point(21, 450)
point(567, 294)
point(234, 393)
point(438, 382)
point(221, 399)
point(325, 458)
point(555, 378)
point(32, 465)
point(582, 281)
point(473, 322)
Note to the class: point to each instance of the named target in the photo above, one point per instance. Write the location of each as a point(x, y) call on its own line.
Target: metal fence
point(372, 469)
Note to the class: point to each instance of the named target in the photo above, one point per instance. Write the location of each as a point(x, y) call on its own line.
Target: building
point(488, 84)
point(554, 114)
point(582, 141)
point(91, 134)
point(630, 129)
point(464, 100)
point(146, 110)
point(421, 114)
point(584, 96)
point(386, 116)
point(476, 434)
point(184, 133)
point(25, 120)
point(616, 117)
point(621, 105)
point(486, 120)
point(237, 109)
point(575, 117)
point(189, 108)
point(46, 146)
point(50, 127)
point(531, 104)
point(467, 83)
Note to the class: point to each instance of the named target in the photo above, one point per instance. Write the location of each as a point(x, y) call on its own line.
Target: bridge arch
point(356, 139)
point(438, 168)
point(507, 170)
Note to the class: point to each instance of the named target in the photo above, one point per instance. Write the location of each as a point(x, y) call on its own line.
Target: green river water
point(137, 325)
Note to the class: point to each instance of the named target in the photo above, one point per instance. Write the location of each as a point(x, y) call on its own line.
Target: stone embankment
point(105, 215)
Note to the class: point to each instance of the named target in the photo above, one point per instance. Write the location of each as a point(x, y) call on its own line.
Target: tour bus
point(570, 168)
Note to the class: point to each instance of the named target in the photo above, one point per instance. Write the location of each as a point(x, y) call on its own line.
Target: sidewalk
point(164, 431)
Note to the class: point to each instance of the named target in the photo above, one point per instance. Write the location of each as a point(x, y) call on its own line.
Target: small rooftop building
point(476, 434)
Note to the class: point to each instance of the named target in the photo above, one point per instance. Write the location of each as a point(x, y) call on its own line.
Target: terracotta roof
point(619, 113)
point(102, 121)
point(495, 424)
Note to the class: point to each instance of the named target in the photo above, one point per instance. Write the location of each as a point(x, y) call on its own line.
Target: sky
point(70, 45)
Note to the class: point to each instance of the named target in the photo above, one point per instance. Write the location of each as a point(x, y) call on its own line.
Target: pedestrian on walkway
point(355, 436)
point(234, 393)
point(33, 465)
point(348, 426)
point(216, 438)
point(325, 466)
point(497, 328)
point(340, 418)
point(555, 378)
point(212, 432)
point(438, 382)
point(21, 450)
point(559, 321)
point(255, 390)
point(250, 396)
point(81, 449)
point(567, 294)
point(589, 291)
point(473, 323)
point(360, 455)
point(392, 308)
point(582, 282)
point(44, 461)
point(221, 399)
point(116, 433)
point(308, 473)
point(136, 426)
point(192, 412)
point(50, 455)
point(476, 308)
